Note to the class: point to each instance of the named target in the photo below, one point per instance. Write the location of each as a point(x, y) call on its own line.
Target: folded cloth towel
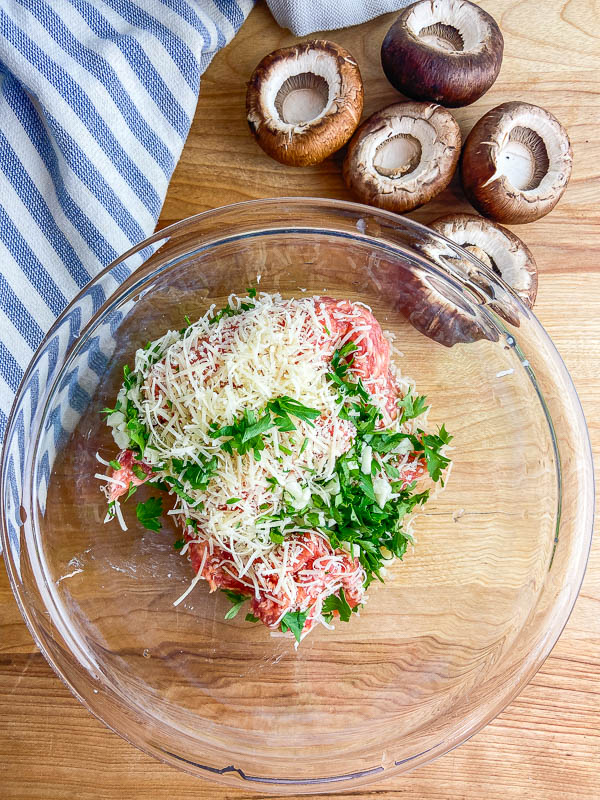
point(302, 16)
point(96, 100)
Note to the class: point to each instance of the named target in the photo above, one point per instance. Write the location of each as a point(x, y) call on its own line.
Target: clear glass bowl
point(462, 624)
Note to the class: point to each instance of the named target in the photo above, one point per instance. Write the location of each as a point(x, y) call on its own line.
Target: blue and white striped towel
point(96, 100)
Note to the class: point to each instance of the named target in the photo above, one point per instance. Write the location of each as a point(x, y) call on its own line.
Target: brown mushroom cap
point(403, 156)
point(516, 163)
point(438, 313)
point(446, 51)
point(497, 247)
point(304, 102)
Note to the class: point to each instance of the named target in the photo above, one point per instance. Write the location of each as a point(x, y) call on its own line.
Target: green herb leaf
point(109, 411)
point(263, 424)
point(148, 513)
point(115, 464)
point(179, 544)
point(338, 603)
point(138, 435)
point(197, 475)
point(412, 406)
point(227, 311)
point(176, 487)
point(294, 621)
point(252, 618)
point(237, 599)
point(138, 472)
point(234, 597)
point(285, 406)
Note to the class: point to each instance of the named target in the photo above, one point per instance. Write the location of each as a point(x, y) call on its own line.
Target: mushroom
point(446, 51)
point(501, 251)
point(403, 156)
point(516, 163)
point(304, 102)
point(439, 312)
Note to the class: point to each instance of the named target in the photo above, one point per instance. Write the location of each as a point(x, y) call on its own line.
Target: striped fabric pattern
point(96, 100)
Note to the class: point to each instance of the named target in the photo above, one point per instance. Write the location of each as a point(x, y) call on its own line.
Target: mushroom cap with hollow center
point(403, 156)
point(497, 247)
point(304, 102)
point(516, 163)
point(446, 51)
point(450, 25)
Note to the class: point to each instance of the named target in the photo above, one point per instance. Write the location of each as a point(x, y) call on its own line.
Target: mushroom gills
point(398, 156)
point(500, 250)
point(449, 25)
point(484, 257)
point(494, 249)
point(523, 159)
point(302, 98)
point(444, 37)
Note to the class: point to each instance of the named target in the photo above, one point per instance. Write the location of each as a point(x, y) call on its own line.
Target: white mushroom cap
point(445, 51)
point(497, 247)
point(305, 101)
point(403, 156)
point(516, 163)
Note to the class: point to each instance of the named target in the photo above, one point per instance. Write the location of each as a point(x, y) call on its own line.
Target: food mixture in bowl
point(289, 449)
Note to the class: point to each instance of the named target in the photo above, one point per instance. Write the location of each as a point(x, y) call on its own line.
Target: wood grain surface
point(546, 744)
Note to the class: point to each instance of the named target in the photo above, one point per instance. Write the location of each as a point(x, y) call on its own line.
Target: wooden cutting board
point(546, 744)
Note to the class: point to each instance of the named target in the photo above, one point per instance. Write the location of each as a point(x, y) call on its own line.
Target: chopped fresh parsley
point(294, 621)
point(138, 472)
point(115, 464)
point(148, 513)
point(237, 600)
point(228, 311)
point(353, 513)
point(177, 487)
point(284, 407)
point(197, 475)
point(129, 377)
point(412, 406)
point(109, 411)
point(337, 602)
point(179, 544)
point(246, 433)
point(431, 444)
